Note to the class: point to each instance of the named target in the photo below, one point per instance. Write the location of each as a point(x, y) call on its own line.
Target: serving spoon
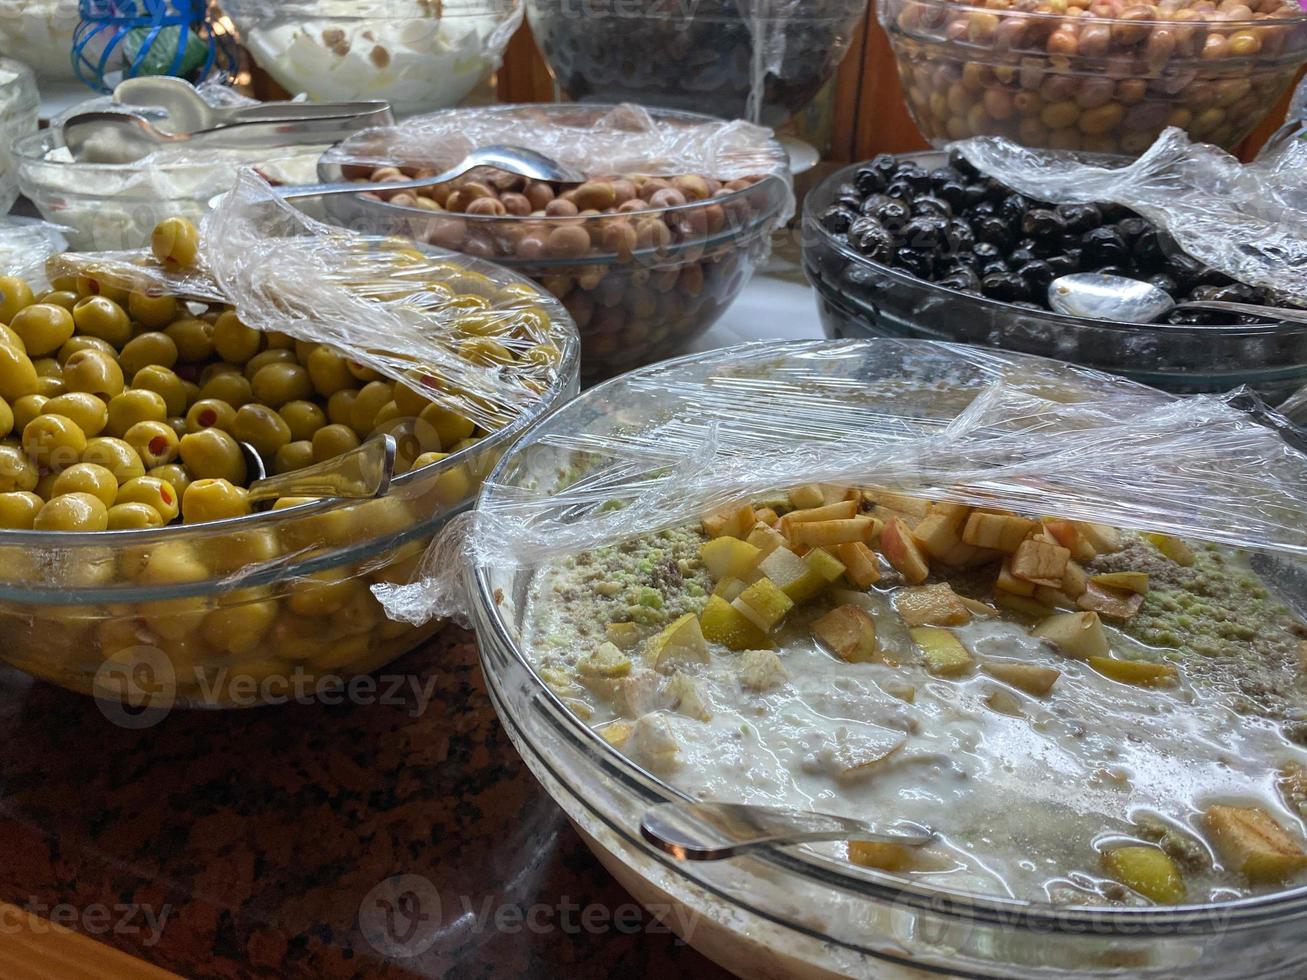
point(1104, 297)
point(714, 831)
point(359, 474)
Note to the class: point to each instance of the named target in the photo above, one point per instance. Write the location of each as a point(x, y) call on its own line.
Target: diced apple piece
point(687, 697)
point(956, 513)
point(763, 604)
point(1172, 547)
point(766, 539)
point(1141, 673)
point(1075, 580)
point(937, 534)
point(1104, 538)
point(996, 531)
point(734, 521)
point(842, 511)
point(681, 641)
point(967, 556)
point(826, 565)
point(760, 670)
point(1054, 598)
point(859, 561)
point(729, 557)
point(1148, 871)
point(1251, 843)
point(931, 605)
point(977, 607)
point(655, 742)
point(912, 506)
point(1007, 582)
point(902, 552)
point(1079, 635)
point(899, 689)
point(943, 652)
point(860, 760)
point(616, 733)
point(766, 515)
point(817, 534)
point(622, 635)
point(834, 493)
point(884, 857)
point(1068, 535)
point(729, 588)
point(785, 568)
point(807, 496)
point(1123, 581)
point(722, 623)
point(1110, 602)
point(1040, 562)
point(605, 660)
point(850, 632)
point(1021, 604)
point(1031, 678)
point(1004, 702)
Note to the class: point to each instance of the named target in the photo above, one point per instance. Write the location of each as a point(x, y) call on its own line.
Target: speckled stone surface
point(262, 833)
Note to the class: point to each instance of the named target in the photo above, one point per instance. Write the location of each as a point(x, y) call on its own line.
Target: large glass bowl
point(253, 610)
point(39, 33)
point(796, 912)
point(415, 54)
point(632, 307)
point(19, 115)
point(705, 56)
point(859, 298)
point(1107, 82)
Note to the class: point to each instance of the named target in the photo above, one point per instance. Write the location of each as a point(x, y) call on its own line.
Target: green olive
point(234, 341)
point(194, 339)
point(280, 341)
point(174, 474)
point(156, 312)
point(6, 418)
point(49, 377)
point(409, 402)
point(214, 500)
point(53, 442)
point(78, 342)
point(362, 372)
point(89, 413)
point(17, 374)
point(438, 428)
point(160, 495)
point(99, 316)
point(86, 478)
point(340, 406)
point(16, 471)
point(262, 428)
point(332, 440)
point(132, 406)
point(210, 413)
point(73, 512)
point(262, 359)
point(93, 371)
point(44, 328)
point(329, 372)
point(15, 294)
point(372, 398)
point(155, 442)
point(116, 456)
point(175, 242)
point(27, 408)
point(18, 508)
point(239, 628)
point(276, 384)
point(213, 454)
point(172, 562)
point(234, 389)
point(160, 379)
point(303, 418)
point(133, 517)
point(145, 349)
point(92, 283)
point(60, 297)
point(293, 456)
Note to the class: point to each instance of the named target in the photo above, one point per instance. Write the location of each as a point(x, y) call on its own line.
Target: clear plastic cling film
point(665, 446)
point(1246, 220)
point(470, 337)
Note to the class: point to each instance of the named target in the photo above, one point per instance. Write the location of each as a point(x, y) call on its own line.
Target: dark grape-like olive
point(1080, 218)
point(962, 165)
point(1186, 271)
point(1020, 255)
point(996, 190)
point(973, 195)
point(915, 176)
point(1147, 250)
point(1004, 286)
point(1043, 224)
point(925, 232)
point(869, 180)
point(1204, 292)
point(959, 238)
point(872, 201)
point(963, 279)
point(1112, 213)
point(869, 237)
point(1013, 208)
point(945, 175)
point(1131, 229)
point(985, 209)
point(884, 164)
point(900, 189)
point(1235, 292)
point(851, 201)
point(993, 268)
point(995, 230)
point(837, 219)
point(953, 191)
point(1103, 246)
point(1165, 283)
point(1064, 264)
point(932, 205)
point(986, 251)
point(916, 261)
point(1037, 275)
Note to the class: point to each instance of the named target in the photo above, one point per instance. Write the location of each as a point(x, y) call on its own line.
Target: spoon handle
point(360, 474)
point(291, 193)
point(1270, 312)
point(713, 831)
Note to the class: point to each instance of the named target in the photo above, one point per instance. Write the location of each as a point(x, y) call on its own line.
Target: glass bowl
point(248, 611)
point(416, 54)
point(632, 306)
point(703, 57)
point(40, 34)
point(19, 115)
point(796, 912)
point(1107, 82)
point(858, 298)
point(108, 206)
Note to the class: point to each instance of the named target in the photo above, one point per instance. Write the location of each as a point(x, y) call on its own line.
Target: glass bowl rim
point(1003, 14)
point(1186, 919)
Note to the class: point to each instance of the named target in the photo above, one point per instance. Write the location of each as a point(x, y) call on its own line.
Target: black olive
point(993, 268)
point(1020, 255)
point(1185, 270)
point(963, 279)
point(872, 201)
point(900, 189)
point(1131, 229)
point(1037, 275)
point(960, 261)
point(1213, 277)
point(851, 201)
point(869, 180)
point(1112, 213)
point(915, 176)
point(932, 205)
point(1235, 292)
point(959, 238)
point(1204, 292)
point(996, 230)
point(869, 237)
point(996, 190)
point(953, 191)
point(973, 195)
point(925, 232)
point(916, 261)
point(1147, 250)
point(1041, 223)
point(884, 164)
point(837, 219)
point(987, 251)
point(1013, 208)
point(891, 213)
point(1064, 264)
point(985, 209)
point(1165, 283)
point(1005, 286)
point(962, 165)
point(1103, 246)
point(1080, 218)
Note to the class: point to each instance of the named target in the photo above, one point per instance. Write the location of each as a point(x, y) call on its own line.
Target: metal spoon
point(359, 474)
point(1100, 297)
point(514, 159)
point(713, 831)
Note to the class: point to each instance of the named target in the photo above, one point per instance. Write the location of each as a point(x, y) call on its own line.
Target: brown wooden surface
point(33, 948)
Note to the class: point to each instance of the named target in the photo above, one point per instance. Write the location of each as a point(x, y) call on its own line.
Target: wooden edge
point(33, 948)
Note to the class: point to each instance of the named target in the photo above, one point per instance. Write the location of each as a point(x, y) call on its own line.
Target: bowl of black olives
point(923, 245)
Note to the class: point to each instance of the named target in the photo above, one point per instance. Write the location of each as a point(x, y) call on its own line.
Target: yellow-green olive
point(93, 283)
point(155, 442)
point(262, 359)
point(332, 440)
point(155, 312)
point(234, 389)
point(18, 509)
point(213, 454)
point(175, 242)
point(89, 413)
point(262, 428)
point(73, 512)
point(44, 328)
point(438, 428)
point(78, 342)
point(17, 373)
point(194, 339)
point(94, 371)
point(14, 295)
point(276, 384)
point(174, 474)
point(214, 500)
point(170, 563)
point(133, 517)
point(156, 493)
point(372, 398)
point(87, 478)
point(132, 406)
point(293, 456)
point(166, 383)
point(60, 297)
point(116, 456)
point(99, 316)
point(234, 341)
point(329, 372)
point(16, 470)
point(145, 349)
point(6, 418)
point(340, 406)
point(53, 442)
point(303, 418)
point(210, 413)
point(27, 408)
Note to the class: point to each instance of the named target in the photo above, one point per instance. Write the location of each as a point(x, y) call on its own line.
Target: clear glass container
point(797, 912)
point(40, 34)
point(20, 107)
point(859, 298)
point(1106, 82)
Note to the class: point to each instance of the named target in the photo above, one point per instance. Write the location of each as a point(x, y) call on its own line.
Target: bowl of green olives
point(127, 533)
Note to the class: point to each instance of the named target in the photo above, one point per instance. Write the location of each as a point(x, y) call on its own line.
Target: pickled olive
point(146, 349)
point(332, 440)
point(329, 372)
point(276, 384)
point(18, 508)
point(6, 418)
point(173, 474)
point(93, 371)
point(193, 339)
point(15, 294)
point(89, 413)
point(361, 372)
point(262, 428)
point(210, 413)
point(233, 389)
point(17, 473)
point(214, 500)
point(155, 442)
point(175, 243)
point(172, 563)
point(273, 355)
point(72, 512)
point(304, 418)
point(84, 343)
point(372, 397)
point(213, 454)
point(136, 405)
point(27, 408)
point(53, 442)
point(17, 373)
point(162, 381)
point(293, 456)
point(133, 517)
point(340, 406)
point(87, 478)
point(99, 316)
point(438, 428)
point(154, 312)
point(116, 456)
point(239, 628)
point(153, 492)
point(43, 327)
point(59, 297)
point(91, 283)
point(234, 341)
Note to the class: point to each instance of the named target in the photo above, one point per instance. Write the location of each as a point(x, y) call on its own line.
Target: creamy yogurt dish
point(1085, 716)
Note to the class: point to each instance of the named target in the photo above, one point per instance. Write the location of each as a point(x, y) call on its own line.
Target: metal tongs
point(125, 137)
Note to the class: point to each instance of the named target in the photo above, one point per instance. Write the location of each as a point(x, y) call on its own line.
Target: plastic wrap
point(19, 110)
point(380, 301)
point(1248, 221)
point(25, 245)
point(666, 445)
point(40, 33)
